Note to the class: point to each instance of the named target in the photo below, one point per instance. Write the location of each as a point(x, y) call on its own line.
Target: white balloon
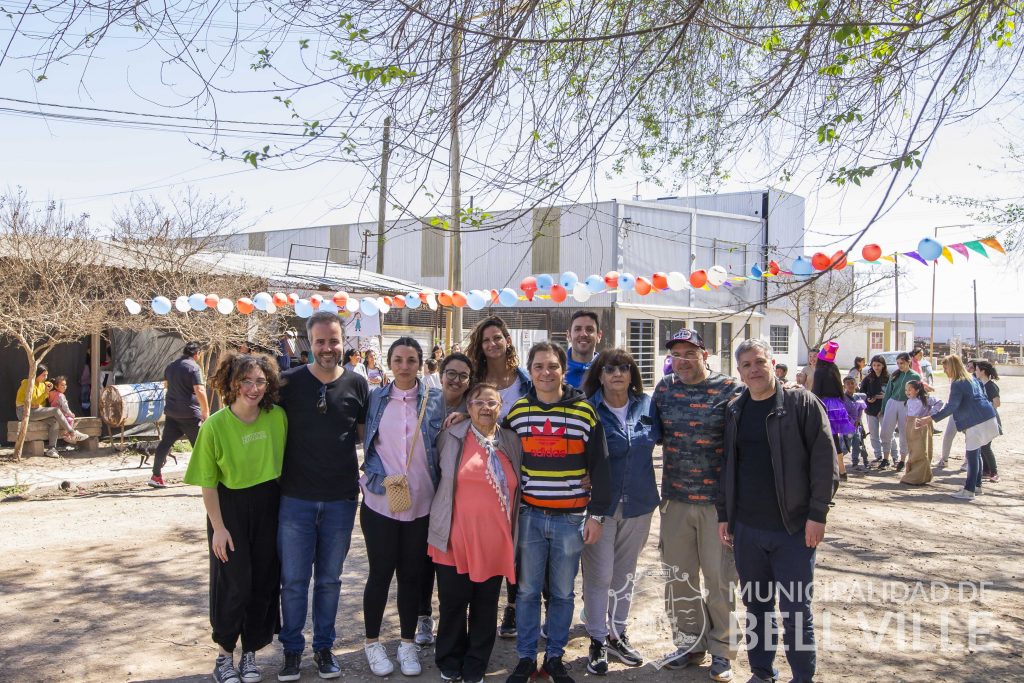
point(328, 306)
point(382, 305)
point(717, 275)
point(303, 308)
point(161, 305)
point(352, 305)
point(432, 301)
point(262, 300)
point(368, 307)
point(197, 302)
point(133, 306)
point(271, 308)
point(225, 306)
point(581, 293)
point(677, 281)
point(181, 303)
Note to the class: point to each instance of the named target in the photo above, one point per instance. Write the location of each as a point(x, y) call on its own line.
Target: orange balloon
point(494, 296)
point(389, 301)
point(315, 301)
point(444, 298)
point(698, 278)
point(423, 297)
point(643, 286)
point(245, 305)
point(212, 300)
point(820, 261)
point(558, 293)
point(398, 302)
point(871, 252)
point(280, 299)
point(660, 280)
point(839, 260)
point(340, 299)
point(293, 298)
point(459, 299)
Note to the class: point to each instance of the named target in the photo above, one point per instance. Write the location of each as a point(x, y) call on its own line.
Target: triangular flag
point(962, 250)
point(706, 287)
point(975, 245)
point(994, 243)
point(917, 257)
point(890, 259)
point(948, 254)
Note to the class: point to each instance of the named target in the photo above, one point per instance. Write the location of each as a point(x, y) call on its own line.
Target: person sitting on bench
point(55, 420)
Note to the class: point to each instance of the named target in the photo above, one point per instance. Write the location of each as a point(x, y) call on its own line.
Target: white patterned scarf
point(495, 473)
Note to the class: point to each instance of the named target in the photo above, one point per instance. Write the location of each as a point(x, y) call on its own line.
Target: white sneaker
point(377, 656)
point(51, 453)
point(409, 659)
point(963, 494)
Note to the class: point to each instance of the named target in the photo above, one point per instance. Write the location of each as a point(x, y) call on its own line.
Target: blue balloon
point(476, 300)
point(569, 280)
point(412, 300)
point(595, 283)
point(756, 272)
point(368, 307)
point(508, 297)
point(303, 308)
point(328, 306)
point(802, 268)
point(197, 302)
point(161, 305)
point(929, 249)
point(261, 301)
point(544, 283)
point(626, 281)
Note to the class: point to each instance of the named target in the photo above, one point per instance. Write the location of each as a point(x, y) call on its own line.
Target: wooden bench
point(35, 440)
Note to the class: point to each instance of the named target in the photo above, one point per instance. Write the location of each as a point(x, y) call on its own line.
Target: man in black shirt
point(326, 408)
point(778, 477)
point(185, 408)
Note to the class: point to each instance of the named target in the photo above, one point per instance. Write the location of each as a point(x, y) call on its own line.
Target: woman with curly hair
point(237, 461)
point(496, 362)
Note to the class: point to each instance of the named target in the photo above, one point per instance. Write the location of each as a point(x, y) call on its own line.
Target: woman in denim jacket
point(396, 540)
point(632, 428)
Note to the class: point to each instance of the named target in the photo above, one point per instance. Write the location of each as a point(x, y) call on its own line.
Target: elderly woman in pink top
point(472, 533)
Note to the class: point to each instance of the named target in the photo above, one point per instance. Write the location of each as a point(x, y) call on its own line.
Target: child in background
point(919, 434)
point(856, 404)
point(801, 380)
point(58, 400)
point(827, 385)
point(431, 378)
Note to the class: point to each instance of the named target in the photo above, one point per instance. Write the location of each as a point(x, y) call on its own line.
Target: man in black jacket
point(778, 478)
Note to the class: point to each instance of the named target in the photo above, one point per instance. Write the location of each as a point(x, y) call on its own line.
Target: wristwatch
point(598, 518)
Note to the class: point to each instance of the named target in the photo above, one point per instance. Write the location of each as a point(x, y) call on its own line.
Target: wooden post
point(94, 372)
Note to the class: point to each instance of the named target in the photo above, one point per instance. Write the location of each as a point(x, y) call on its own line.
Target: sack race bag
point(396, 486)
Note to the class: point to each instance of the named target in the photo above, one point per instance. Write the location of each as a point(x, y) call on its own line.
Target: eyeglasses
point(254, 384)
point(321, 404)
point(456, 375)
point(481, 403)
point(625, 369)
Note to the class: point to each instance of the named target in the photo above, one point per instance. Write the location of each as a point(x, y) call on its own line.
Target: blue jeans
point(312, 540)
point(774, 564)
point(854, 445)
point(552, 544)
point(973, 470)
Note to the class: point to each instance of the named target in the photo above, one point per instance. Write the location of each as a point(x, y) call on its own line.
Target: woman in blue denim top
point(403, 421)
point(632, 428)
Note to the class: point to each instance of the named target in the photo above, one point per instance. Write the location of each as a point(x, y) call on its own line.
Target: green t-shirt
point(238, 455)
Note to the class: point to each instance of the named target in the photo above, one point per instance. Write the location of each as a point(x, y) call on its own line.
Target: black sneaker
point(224, 670)
point(555, 669)
point(624, 652)
point(291, 671)
point(326, 663)
point(900, 464)
point(597, 660)
point(525, 670)
point(507, 629)
point(884, 465)
point(681, 659)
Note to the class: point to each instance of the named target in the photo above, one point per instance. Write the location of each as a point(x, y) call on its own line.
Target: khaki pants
point(691, 551)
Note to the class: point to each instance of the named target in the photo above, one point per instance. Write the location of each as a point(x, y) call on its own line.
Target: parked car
point(890, 364)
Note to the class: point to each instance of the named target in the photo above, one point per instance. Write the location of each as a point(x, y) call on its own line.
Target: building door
point(640, 342)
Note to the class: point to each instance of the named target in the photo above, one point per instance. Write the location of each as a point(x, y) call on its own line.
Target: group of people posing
point(512, 474)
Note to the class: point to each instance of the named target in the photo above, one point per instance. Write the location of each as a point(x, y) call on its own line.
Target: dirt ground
point(109, 584)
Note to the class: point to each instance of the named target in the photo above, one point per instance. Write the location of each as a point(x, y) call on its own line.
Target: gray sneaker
point(424, 631)
point(224, 670)
point(247, 668)
point(721, 669)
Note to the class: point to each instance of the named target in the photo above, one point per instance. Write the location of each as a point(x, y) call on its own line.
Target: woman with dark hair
point(375, 375)
point(456, 376)
point(632, 427)
point(873, 388)
point(354, 362)
point(894, 412)
point(985, 372)
point(400, 476)
point(827, 385)
point(437, 353)
point(857, 371)
point(496, 362)
point(975, 417)
point(473, 525)
point(237, 460)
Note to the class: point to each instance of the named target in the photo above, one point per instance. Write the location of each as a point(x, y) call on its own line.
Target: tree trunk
point(19, 443)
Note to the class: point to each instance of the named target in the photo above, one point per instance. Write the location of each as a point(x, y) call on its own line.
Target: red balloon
point(444, 297)
point(698, 278)
point(340, 299)
point(315, 301)
point(458, 299)
point(280, 299)
point(660, 280)
point(611, 279)
point(529, 287)
point(643, 286)
point(773, 267)
point(871, 252)
point(423, 297)
point(558, 293)
point(212, 300)
point(820, 261)
point(293, 298)
point(839, 260)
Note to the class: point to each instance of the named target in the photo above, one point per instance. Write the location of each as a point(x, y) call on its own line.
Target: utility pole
point(977, 339)
point(896, 265)
point(454, 332)
point(935, 267)
point(382, 203)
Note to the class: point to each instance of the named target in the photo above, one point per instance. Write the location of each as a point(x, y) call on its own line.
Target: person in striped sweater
point(563, 443)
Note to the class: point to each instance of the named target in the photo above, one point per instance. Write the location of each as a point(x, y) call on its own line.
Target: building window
point(709, 333)
point(258, 241)
point(641, 345)
point(778, 337)
point(432, 252)
point(547, 235)
point(876, 341)
point(903, 342)
point(340, 251)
